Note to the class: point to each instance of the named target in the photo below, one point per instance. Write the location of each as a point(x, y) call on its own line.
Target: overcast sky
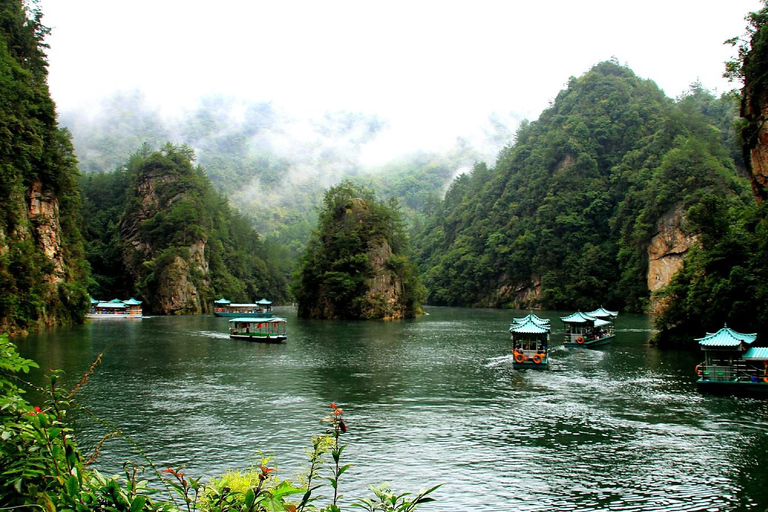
point(434, 70)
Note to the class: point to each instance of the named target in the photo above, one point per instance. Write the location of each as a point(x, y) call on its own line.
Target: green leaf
point(73, 486)
point(249, 499)
point(138, 503)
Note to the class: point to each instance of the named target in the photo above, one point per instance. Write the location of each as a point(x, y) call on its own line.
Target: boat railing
point(731, 373)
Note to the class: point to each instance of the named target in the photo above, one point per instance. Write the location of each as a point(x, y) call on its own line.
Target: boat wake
point(212, 334)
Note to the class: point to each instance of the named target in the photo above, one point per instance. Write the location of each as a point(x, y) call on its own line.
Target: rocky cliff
point(754, 111)
point(165, 254)
point(666, 254)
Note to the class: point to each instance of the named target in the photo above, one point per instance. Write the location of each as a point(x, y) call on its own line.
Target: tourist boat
point(115, 308)
point(731, 364)
point(223, 307)
point(261, 329)
point(530, 342)
point(591, 329)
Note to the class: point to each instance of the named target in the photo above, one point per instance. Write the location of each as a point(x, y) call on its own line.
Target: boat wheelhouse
point(115, 308)
point(731, 364)
point(264, 330)
point(223, 307)
point(530, 343)
point(591, 329)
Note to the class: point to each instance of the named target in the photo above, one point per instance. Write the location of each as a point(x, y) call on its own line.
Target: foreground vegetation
point(44, 469)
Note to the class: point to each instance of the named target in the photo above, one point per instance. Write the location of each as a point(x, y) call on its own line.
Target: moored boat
point(260, 329)
point(530, 342)
point(115, 308)
point(589, 330)
point(731, 364)
point(223, 307)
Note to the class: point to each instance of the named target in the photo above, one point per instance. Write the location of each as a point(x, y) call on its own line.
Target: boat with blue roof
point(589, 330)
point(732, 365)
point(530, 342)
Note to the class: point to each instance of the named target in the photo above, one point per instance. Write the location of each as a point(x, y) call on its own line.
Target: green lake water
point(427, 401)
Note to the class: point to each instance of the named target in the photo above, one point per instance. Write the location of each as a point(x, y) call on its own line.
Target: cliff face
point(755, 110)
point(666, 254)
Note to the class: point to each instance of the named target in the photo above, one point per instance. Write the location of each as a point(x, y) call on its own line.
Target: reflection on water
point(431, 400)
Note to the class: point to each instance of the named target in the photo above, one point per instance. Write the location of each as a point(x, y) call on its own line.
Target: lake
point(433, 400)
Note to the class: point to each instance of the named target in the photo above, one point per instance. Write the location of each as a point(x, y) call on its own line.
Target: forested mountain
point(566, 217)
point(42, 268)
point(158, 230)
point(356, 264)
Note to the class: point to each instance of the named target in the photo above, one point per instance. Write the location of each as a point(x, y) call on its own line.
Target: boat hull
point(724, 387)
point(530, 365)
point(590, 343)
point(260, 338)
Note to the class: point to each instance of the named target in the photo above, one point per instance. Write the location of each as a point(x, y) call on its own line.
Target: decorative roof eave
point(264, 302)
point(221, 301)
point(601, 312)
point(528, 327)
point(726, 337)
point(577, 318)
point(756, 354)
point(533, 318)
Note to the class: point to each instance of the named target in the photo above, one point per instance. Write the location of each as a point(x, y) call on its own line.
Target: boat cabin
point(589, 329)
point(267, 330)
point(731, 363)
point(530, 343)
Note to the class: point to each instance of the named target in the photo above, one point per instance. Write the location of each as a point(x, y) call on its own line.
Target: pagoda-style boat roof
point(133, 302)
point(601, 312)
point(222, 301)
point(529, 317)
point(726, 338)
point(578, 318)
point(529, 327)
point(756, 354)
point(264, 302)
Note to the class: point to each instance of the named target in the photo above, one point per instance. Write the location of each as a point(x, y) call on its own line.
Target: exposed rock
point(666, 253)
point(44, 217)
point(385, 287)
point(525, 295)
